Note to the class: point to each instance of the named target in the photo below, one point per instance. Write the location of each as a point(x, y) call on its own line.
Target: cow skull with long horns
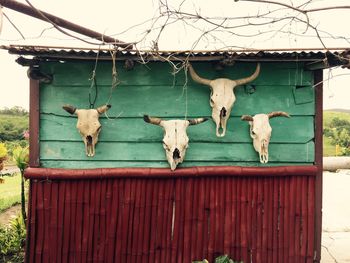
point(88, 125)
point(260, 131)
point(175, 140)
point(222, 96)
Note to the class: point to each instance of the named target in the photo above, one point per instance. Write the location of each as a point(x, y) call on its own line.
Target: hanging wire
point(115, 80)
point(185, 66)
point(94, 82)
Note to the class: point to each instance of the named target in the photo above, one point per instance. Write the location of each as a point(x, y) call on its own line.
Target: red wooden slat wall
point(143, 218)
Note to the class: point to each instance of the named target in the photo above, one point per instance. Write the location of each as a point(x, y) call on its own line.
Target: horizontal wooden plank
point(285, 130)
point(162, 73)
point(168, 101)
point(161, 164)
point(121, 151)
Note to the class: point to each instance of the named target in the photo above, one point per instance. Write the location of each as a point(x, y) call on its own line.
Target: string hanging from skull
point(222, 96)
point(260, 131)
point(88, 125)
point(175, 140)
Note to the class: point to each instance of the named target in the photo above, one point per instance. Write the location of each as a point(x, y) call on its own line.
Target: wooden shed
point(125, 205)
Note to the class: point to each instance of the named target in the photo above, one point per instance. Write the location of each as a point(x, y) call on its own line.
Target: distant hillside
point(339, 110)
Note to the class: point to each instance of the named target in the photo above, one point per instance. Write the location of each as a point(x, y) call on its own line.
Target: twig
point(15, 27)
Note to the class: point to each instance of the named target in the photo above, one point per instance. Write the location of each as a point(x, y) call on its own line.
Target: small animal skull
point(260, 131)
point(88, 125)
point(175, 140)
point(222, 96)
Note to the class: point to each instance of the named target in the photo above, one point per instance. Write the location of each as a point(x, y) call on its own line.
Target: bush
point(12, 241)
point(12, 126)
point(338, 131)
point(12, 145)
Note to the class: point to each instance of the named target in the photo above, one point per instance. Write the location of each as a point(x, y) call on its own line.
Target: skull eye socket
point(252, 133)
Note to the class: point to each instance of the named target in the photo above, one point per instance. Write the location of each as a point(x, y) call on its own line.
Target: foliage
point(21, 157)
point(10, 192)
point(337, 130)
point(12, 145)
point(12, 241)
point(3, 150)
point(12, 126)
point(220, 259)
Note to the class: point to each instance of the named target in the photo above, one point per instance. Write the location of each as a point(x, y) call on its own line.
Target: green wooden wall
point(128, 141)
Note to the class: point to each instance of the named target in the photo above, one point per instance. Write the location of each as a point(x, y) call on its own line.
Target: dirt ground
point(9, 214)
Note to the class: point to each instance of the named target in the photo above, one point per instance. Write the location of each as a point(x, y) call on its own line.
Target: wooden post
point(34, 123)
point(318, 78)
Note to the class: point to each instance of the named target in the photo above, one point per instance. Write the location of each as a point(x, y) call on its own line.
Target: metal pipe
point(25, 9)
point(335, 163)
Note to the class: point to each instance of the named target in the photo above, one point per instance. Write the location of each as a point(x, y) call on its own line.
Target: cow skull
point(222, 96)
point(260, 131)
point(88, 125)
point(175, 140)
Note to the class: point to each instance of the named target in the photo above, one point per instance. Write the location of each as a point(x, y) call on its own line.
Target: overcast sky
point(114, 17)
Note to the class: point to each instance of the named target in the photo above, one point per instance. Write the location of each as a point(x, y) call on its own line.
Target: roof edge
point(317, 58)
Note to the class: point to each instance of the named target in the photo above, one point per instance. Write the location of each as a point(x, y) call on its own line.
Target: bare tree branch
point(14, 26)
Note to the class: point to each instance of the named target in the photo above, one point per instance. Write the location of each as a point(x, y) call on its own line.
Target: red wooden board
point(251, 217)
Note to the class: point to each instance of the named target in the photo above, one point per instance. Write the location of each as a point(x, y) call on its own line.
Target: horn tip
point(246, 118)
point(146, 118)
point(108, 106)
point(69, 108)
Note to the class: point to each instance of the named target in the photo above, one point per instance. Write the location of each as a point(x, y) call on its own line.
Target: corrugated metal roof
point(332, 57)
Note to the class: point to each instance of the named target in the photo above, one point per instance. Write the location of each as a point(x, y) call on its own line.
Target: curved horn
point(103, 108)
point(249, 79)
point(246, 118)
point(69, 108)
point(152, 120)
point(197, 78)
point(278, 114)
point(197, 121)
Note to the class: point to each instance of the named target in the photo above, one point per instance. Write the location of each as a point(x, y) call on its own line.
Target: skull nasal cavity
point(223, 112)
point(176, 154)
point(89, 139)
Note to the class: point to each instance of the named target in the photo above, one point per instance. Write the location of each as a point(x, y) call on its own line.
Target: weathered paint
point(128, 142)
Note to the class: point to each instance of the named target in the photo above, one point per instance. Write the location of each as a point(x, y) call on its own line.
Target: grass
point(10, 191)
point(328, 147)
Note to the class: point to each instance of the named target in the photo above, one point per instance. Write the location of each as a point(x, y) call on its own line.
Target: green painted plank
point(285, 130)
point(163, 164)
point(170, 101)
point(114, 151)
point(161, 73)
